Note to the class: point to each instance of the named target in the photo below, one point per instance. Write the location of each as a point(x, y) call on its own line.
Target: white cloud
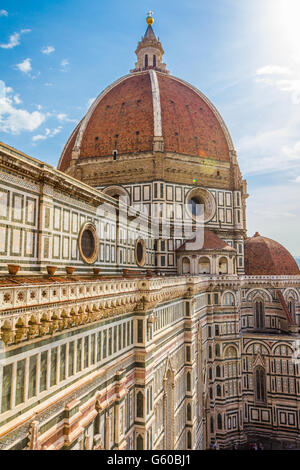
point(25, 66)
point(3, 13)
point(64, 62)
point(292, 152)
point(48, 84)
point(14, 120)
point(48, 134)
point(17, 99)
point(273, 70)
point(5, 89)
point(61, 117)
point(14, 39)
point(90, 102)
point(270, 75)
point(64, 118)
point(48, 50)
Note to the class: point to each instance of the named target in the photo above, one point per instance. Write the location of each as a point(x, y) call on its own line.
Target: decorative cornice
point(12, 161)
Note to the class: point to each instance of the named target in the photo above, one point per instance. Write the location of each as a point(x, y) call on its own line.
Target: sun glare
point(288, 20)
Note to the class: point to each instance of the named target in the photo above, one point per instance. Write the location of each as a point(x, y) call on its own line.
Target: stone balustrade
point(33, 307)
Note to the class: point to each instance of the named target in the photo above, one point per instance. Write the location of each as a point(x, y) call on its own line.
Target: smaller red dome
point(264, 256)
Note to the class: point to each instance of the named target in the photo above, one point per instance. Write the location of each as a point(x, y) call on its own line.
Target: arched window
point(217, 330)
point(209, 352)
point(217, 350)
point(219, 391)
point(204, 265)
point(219, 421)
point(154, 61)
point(218, 371)
point(139, 442)
point(260, 384)
point(186, 266)
point(259, 314)
point(210, 373)
point(231, 352)
point(188, 412)
point(229, 299)
point(140, 405)
point(146, 60)
point(211, 424)
point(211, 393)
point(189, 440)
point(223, 266)
point(188, 382)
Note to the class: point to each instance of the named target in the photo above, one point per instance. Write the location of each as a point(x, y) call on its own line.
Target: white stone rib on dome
point(156, 104)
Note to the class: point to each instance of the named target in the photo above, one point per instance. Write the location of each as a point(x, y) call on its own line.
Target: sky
point(57, 56)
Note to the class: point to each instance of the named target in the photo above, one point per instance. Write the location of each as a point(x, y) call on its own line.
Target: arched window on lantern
point(154, 61)
point(260, 384)
point(146, 60)
point(259, 314)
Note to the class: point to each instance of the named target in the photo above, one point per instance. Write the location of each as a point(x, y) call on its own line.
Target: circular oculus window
point(88, 243)
point(140, 252)
point(200, 203)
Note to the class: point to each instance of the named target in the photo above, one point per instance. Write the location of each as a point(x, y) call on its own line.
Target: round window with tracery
point(88, 243)
point(200, 205)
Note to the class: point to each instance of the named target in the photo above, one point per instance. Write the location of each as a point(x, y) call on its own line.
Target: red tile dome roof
point(264, 256)
point(129, 114)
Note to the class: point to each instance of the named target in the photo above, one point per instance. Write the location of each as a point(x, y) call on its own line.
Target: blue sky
point(56, 56)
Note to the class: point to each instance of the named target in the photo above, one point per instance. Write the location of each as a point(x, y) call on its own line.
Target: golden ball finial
point(150, 19)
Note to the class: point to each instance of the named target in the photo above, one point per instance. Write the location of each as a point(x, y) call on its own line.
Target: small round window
point(140, 252)
point(88, 242)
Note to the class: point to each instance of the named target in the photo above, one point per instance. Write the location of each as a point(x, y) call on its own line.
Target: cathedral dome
point(264, 256)
point(144, 107)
